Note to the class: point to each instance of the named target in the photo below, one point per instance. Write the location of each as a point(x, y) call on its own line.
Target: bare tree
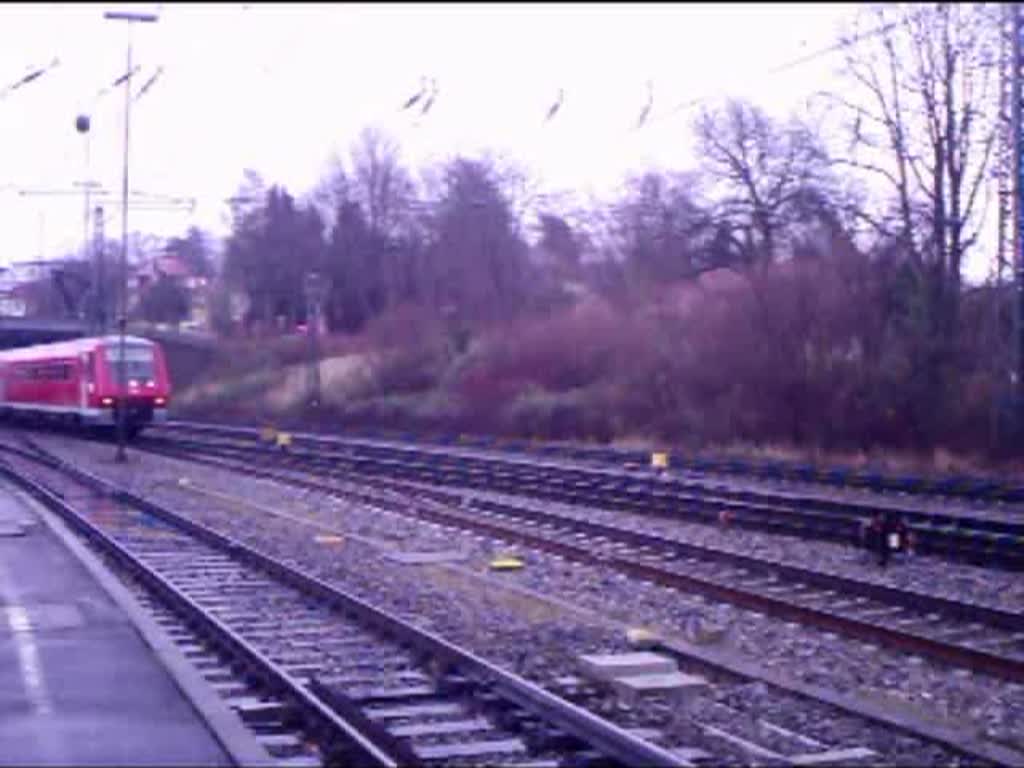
point(374, 229)
point(372, 178)
point(478, 260)
point(559, 240)
point(660, 228)
point(380, 183)
point(762, 175)
point(921, 103)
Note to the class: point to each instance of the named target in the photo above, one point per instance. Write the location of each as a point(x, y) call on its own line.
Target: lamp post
point(101, 277)
point(122, 320)
point(83, 125)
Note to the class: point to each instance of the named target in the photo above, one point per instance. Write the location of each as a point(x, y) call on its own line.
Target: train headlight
point(159, 401)
point(107, 401)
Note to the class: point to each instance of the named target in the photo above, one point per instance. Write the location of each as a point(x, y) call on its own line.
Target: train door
point(85, 381)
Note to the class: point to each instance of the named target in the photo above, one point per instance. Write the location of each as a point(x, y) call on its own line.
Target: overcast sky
point(280, 88)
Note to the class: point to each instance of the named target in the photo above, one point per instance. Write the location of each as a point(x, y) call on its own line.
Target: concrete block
point(443, 709)
point(469, 750)
point(682, 687)
point(833, 757)
point(442, 728)
point(618, 665)
point(667, 683)
point(425, 558)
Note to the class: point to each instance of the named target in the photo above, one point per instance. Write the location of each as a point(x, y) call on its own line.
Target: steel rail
point(958, 655)
point(951, 738)
point(345, 743)
point(814, 517)
point(609, 739)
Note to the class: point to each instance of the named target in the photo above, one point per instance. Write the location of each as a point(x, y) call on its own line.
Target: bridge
point(23, 331)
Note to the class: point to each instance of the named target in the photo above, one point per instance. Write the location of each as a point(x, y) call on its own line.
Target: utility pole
point(1017, 375)
point(82, 125)
point(122, 320)
point(1004, 173)
point(101, 290)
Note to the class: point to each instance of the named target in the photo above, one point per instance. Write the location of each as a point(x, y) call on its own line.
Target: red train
point(84, 381)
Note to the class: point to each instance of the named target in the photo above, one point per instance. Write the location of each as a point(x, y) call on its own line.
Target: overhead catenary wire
point(412, 100)
point(788, 65)
point(149, 83)
point(425, 98)
point(430, 97)
point(553, 110)
point(647, 107)
point(91, 100)
point(117, 82)
point(34, 74)
point(427, 90)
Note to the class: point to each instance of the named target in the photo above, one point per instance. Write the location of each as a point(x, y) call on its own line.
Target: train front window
point(138, 363)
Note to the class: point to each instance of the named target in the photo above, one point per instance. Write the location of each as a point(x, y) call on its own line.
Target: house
point(167, 265)
point(21, 272)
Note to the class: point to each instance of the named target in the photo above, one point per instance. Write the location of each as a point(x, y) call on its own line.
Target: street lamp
point(123, 319)
point(82, 125)
point(101, 277)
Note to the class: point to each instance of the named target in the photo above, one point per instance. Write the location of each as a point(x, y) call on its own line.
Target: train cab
point(86, 381)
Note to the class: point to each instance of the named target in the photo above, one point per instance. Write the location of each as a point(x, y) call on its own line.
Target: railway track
point(990, 540)
point(973, 488)
point(728, 718)
point(983, 639)
point(319, 675)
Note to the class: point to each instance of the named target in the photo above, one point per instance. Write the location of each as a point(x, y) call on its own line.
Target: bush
point(562, 352)
point(404, 371)
point(575, 415)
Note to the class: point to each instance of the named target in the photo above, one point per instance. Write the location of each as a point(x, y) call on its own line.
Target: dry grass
point(277, 390)
point(941, 462)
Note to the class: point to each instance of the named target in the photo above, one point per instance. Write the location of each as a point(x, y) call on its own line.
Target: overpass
point(24, 331)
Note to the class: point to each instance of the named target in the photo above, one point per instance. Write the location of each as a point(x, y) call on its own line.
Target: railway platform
point(78, 683)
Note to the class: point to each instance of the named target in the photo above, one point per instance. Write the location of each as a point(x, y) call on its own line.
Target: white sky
point(279, 88)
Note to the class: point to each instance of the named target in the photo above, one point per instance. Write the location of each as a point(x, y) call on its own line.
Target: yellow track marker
point(506, 563)
point(641, 637)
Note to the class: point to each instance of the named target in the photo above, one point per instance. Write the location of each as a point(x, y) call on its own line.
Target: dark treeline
point(764, 296)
